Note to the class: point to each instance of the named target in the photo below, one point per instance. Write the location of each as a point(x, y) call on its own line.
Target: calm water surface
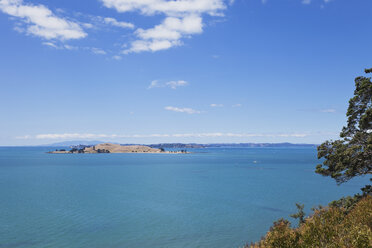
point(212, 198)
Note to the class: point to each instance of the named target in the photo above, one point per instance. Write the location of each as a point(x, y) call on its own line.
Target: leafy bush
point(330, 227)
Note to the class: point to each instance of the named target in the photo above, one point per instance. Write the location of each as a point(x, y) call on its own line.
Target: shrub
point(330, 227)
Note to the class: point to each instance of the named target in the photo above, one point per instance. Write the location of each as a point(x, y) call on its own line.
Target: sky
point(154, 71)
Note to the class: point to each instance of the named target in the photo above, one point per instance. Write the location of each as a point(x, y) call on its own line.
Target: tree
point(351, 155)
point(300, 215)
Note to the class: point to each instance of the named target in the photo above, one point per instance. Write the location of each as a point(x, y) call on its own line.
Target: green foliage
point(281, 235)
point(332, 227)
point(351, 155)
point(348, 203)
point(348, 221)
point(300, 215)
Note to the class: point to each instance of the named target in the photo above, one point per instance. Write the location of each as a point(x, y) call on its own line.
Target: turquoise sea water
point(211, 198)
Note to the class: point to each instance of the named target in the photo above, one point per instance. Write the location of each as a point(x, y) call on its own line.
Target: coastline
point(116, 148)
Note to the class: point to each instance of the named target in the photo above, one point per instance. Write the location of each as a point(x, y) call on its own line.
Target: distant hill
point(286, 144)
point(231, 145)
point(177, 145)
point(186, 146)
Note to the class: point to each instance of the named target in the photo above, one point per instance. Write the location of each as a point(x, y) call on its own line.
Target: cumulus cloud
point(178, 135)
point(216, 105)
point(116, 23)
point(40, 21)
point(150, 7)
point(116, 57)
point(167, 34)
point(183, 18)
point(175, 84)
point(171, 84)
point(98, 51)
point(183, 110)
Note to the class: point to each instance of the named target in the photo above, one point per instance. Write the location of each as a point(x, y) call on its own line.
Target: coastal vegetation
point(115, 148)
point(351, 155)
point(331, 227)
point(346, 222)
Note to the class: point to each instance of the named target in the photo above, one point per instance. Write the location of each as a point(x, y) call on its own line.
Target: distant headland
point(114, 148)
point(83, 143)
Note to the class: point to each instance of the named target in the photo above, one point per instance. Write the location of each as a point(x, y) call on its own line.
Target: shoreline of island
point(116, 148)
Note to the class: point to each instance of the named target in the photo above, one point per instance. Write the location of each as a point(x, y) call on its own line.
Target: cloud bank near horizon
point(61, 136)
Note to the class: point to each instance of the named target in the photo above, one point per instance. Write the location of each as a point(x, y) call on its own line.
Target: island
point(115, 148)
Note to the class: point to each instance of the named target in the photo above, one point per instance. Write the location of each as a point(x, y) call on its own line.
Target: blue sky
point(182, 71)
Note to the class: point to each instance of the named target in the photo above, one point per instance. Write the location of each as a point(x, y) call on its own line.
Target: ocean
point(221, 197)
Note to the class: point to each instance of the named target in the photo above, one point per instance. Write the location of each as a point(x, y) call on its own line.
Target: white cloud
point(175, 84)
point(328, 110)
point(171, 84)
point(183, 18)
point(177, 135)
point(114, 22)
point(72, 136)
point(172, 28)
point(116, 57)
point(183, 110)
point(98, 51)
point(40, 21)
point(94, 50)
point(153, 46)
point(237, 105)
point(50, 44)
point(215, 105)
point(302, 1)
point(150, 7)
point(154, 84)
point(166, 35)
point(88, 25)
point(62, 46)
point(68, 47)
point(24, 137)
